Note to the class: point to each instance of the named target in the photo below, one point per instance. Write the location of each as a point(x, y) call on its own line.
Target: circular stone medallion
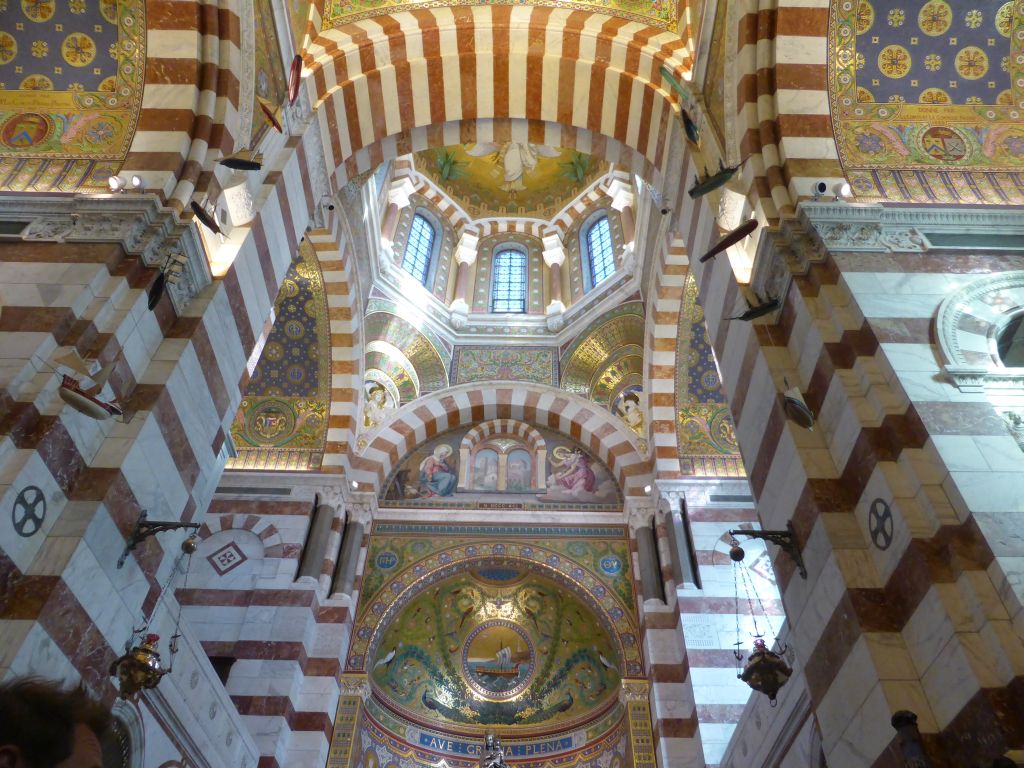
point(498, 660)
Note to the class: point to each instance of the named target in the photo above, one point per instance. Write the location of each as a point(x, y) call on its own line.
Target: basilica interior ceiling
point(71, 77)
point(927, 99)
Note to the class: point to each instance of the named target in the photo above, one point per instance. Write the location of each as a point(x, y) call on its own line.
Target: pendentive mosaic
point(282, 420)
point(71, 79)
point(704, 426)
point(927, 99)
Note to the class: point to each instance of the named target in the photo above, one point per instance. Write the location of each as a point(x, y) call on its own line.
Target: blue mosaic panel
point(58, 45)
point(934, 52)
point(703, 384)
point(290, 363)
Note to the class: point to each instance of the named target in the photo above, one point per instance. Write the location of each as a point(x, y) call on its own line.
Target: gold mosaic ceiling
point(607, 356)
point(510, 178)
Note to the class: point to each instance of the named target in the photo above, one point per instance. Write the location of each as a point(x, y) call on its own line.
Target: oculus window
point(600, 258)
point(418, 248)
point(508, 287)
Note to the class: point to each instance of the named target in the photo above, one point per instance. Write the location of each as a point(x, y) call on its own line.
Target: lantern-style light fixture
point(765, 670)
point(139, 668)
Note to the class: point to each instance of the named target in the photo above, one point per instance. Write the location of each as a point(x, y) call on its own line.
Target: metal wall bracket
point(785, 539)
point(145, 528)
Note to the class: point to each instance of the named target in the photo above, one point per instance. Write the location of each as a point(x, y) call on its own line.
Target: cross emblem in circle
point(29, 511)
point(880, 523)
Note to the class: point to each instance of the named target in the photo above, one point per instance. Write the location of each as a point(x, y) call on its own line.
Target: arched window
point(418, 248)
point(600, 258)
point(508, 286)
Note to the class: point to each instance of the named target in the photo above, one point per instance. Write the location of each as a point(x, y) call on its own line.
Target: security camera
point(330, 207)
point(664, 211)
point(820, 188)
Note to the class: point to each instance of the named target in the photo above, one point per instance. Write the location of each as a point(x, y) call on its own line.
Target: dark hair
point(39, 718)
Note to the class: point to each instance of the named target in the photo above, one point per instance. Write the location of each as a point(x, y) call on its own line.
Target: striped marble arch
point(596, 429)
point(386, 76)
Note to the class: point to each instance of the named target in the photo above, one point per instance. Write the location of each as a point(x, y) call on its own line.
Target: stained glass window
point(418, 248)
point(508, 288)
point(601, 260)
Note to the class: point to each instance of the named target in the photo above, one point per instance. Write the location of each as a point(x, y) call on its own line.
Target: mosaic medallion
point(498, 659)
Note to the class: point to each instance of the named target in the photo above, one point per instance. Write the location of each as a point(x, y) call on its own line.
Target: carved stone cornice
point(915, 229)
point(136, 221)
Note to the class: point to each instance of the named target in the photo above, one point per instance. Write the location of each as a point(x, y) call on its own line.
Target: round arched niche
point(980, 330)
point(496, 643)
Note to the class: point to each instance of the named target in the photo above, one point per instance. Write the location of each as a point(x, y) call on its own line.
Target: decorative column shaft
point(345, 571)
point(398, 198)
point(465, 257)
point(622, 201)
point(554, 257)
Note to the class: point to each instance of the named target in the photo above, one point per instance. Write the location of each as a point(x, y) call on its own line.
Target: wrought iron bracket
point(145, 528)
point(785, 539)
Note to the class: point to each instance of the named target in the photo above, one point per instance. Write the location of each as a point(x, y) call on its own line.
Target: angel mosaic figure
point(376, 407)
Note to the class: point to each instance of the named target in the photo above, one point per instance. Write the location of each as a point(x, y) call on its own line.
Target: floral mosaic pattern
point(71, 77)
point(927, 99)
point(538, 365)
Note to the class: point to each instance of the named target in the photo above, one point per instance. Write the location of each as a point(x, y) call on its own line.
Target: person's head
point(46, 726)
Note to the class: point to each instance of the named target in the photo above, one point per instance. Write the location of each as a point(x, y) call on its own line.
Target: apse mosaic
point(496, 645)
point(588, 560)
point(534, 469)
point(538, 365)
point(704, 427)
point(510, 178)
point(928, 97)
point(282, 420)
point(656, 13)
point(71, 78)
point(270, 82)
point(529, 631)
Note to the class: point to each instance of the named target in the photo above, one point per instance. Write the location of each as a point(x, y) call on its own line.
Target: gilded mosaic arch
point(417, 348)
point(72, 77)
point(927, 101)
point(589, 355)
